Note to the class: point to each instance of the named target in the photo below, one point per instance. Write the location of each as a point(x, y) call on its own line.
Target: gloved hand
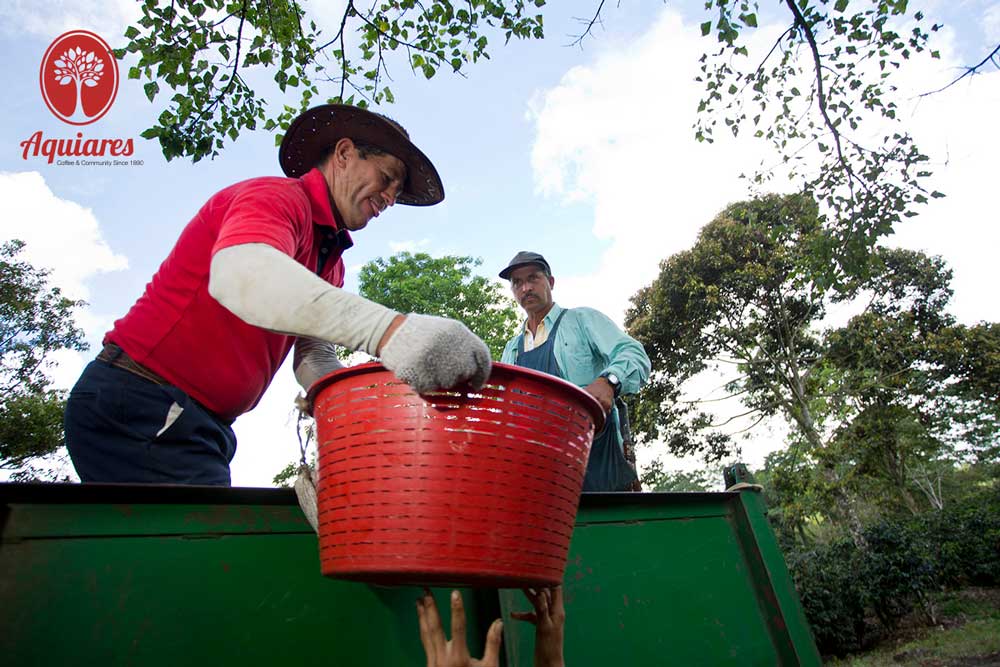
point(429, 353)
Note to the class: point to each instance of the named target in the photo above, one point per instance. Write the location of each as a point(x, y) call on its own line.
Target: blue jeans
point(123, 428)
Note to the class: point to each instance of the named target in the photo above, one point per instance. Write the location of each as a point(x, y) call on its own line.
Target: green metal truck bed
point(130, 575)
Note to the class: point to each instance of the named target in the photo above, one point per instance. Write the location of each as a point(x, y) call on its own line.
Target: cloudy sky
point(584, 154)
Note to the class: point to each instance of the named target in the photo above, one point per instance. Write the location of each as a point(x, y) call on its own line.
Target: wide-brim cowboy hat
point(319, 128)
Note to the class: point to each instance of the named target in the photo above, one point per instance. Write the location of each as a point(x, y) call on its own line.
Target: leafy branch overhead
point(823, 96)
point(205, 53)
point(827, 74)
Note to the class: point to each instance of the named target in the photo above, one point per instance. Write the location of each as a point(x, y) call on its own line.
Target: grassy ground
point(968, 636)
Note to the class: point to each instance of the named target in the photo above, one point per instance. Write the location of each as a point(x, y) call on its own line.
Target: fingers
point(458, 623)
point(539, 599)
point(483, 368)
point(600, 390)
point(542, 606)
point(548, 604)
point(426, 637)
point(430, 353)
point(557, 601)
point(431, 632)
point(491, 656)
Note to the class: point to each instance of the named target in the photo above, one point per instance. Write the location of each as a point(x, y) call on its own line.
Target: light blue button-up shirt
point(587, 344)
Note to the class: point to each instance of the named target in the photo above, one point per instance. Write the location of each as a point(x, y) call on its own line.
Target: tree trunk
point(802, 416)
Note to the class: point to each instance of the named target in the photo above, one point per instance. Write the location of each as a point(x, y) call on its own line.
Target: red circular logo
point(79, 77)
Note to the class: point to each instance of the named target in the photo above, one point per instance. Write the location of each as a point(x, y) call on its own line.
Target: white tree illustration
point(81, 68)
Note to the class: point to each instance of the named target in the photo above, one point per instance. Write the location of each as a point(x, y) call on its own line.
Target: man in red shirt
point(255, 273)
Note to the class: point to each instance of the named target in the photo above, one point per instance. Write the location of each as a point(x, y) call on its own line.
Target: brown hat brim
point(319, 128)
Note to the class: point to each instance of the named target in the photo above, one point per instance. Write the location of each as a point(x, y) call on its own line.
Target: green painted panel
point(655, 592)
point(194, 599)
point(164, 576)
point(91, 520)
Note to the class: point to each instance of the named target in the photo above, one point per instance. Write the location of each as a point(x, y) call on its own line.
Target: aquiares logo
point(78, 79)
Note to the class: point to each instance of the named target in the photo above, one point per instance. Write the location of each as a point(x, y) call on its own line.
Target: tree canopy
point(35, 321)
point(442, 286)
point(875, 406)
point(203, 50)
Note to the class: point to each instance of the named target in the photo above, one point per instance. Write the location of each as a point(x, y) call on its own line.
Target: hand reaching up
point(549, 619)
point(442, 652)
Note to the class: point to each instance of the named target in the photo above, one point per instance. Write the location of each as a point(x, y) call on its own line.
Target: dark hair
point(364, 150)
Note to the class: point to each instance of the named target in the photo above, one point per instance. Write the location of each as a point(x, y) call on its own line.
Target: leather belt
point(114, 355)
point(117, 357)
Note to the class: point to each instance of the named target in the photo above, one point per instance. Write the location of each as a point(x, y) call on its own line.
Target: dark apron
point(607, 469)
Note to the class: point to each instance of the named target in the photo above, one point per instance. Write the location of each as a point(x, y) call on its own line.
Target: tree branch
point(752, 426)
point(742, 414)
point(968, 72)
point(800, 20)
point(590, 25)
point(236, 67)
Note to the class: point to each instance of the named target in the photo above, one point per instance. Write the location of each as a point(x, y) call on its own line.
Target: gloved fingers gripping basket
point(457, 487)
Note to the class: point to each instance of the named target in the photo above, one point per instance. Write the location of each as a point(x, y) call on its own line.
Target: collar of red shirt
point(322, 210)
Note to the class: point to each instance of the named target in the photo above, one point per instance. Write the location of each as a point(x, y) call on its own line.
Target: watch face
point(613, 379)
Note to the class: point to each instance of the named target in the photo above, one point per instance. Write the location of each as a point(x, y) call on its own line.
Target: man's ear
point(342, 151)
point(552, 282)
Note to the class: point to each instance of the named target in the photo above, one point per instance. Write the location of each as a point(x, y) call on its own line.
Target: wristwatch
point(613, 380)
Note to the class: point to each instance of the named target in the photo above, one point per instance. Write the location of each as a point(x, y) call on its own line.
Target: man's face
point(363, 187)
point(532, 288)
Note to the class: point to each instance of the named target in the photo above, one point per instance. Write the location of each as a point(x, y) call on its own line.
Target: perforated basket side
point(464, 487)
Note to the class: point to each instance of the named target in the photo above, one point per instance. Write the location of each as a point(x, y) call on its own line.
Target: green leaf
point(706, 28)
point(151, 89)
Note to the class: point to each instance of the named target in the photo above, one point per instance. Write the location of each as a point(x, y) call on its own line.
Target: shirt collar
point(322, 210)
point(548, 320)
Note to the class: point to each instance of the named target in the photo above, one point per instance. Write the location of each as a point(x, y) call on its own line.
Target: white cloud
point(60, 235)
point(50, 18)
point(64, 237)
point(618, 133)
point(991, 23)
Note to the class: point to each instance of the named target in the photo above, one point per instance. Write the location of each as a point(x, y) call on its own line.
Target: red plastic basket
point(457, 487)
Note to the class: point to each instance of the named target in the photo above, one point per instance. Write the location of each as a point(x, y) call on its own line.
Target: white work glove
point(429, 353)
point(313, 360)
point(305, 491)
